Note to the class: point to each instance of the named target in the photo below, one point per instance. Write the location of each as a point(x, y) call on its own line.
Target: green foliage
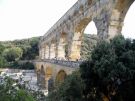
point(66, 51)
point(27, 65)
point(88, 44)
point(107, 75)
point(1, 48)
point(29, 47)
point(69, 90)
point(13, 51)
point(11, 92)
point(31, 52)
point(12, 54)
point(3, 62)
point(15, 64)
point(22, 95)
point(110, 71)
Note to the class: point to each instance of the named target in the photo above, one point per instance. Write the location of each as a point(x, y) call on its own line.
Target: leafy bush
point(69, 90)
point(12, 54)
point(3, 62)
point(9, 91)
point(27, 65)
point(109, 74)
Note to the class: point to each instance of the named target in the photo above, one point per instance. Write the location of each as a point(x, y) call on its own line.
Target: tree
point(3, 62)
point(29, 47)
point(12, 54)
point(88, 44)
point(27, 65)
point(1, 48)
point(31, 51)
point(109, 74)
point(69, 90)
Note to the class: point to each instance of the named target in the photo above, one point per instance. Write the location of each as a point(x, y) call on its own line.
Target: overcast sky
point(28, 18)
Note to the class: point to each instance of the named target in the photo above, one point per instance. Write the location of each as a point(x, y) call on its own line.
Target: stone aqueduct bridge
point(63, 41)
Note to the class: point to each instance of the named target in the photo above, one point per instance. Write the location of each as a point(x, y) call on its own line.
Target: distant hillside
point(88, 43)
point(29, 47)
point(20, 42)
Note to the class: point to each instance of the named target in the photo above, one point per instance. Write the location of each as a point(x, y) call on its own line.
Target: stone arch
point(82, 25)
point(47, 51)
point(53, 49)
point(48, 71)
point(62, 42)
point(60, 77)
point(119, 12)
point(38, 73)
point(42, 52)
point(77, 38)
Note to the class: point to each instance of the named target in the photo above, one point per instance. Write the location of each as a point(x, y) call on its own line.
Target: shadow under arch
point(60, 77)
point(41, 77)
point(42, 70)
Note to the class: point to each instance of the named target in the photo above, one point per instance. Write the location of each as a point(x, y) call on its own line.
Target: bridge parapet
point(72, 64)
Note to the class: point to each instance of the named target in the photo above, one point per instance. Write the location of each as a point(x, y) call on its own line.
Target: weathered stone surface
point(108, 16)
point(51, 70)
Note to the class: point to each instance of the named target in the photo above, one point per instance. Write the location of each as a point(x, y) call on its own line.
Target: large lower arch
point(60, 77)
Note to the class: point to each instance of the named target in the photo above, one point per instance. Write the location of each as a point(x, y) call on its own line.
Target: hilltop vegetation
point(13, 51)
point(27, 49)
point(88, 44)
